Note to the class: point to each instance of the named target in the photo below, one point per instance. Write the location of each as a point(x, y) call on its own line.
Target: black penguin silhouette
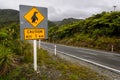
point(34, 17)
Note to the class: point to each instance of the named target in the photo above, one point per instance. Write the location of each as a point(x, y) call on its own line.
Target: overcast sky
point(60, 9)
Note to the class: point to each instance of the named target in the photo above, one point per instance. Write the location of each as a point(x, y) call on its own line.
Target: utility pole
point(114, 7)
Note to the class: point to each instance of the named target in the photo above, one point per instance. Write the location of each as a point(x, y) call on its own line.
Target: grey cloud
point(77, 14)
point(60, 9)
point(11, 4)
point(82, 8)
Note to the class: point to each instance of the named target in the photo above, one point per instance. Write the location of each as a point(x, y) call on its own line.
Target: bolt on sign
point(33, 22)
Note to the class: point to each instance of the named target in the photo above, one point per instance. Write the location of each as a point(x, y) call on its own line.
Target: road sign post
point(33, 26)
point(35, 54)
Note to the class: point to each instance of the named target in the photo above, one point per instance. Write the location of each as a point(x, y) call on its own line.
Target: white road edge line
point(103, 66)
point(118, 71)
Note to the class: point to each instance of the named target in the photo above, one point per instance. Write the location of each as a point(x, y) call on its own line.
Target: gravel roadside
point(110, 74)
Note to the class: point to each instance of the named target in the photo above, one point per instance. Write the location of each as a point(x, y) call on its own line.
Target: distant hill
point(8, 16)
point(66, 21)
point(51, 24)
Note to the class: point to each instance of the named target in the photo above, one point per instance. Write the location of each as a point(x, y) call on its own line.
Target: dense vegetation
point(100, 31)
point(12, 50)
point(16, 61)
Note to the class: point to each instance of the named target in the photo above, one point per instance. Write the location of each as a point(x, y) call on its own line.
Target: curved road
point(103, 59)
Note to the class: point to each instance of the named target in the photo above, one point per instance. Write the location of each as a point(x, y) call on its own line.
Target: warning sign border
point(29, 22)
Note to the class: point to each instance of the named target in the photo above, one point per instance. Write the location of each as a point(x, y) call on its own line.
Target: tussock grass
point(64, 70)
point(51, 68)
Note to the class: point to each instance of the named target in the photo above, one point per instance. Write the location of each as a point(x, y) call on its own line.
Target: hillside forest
point(100, 31)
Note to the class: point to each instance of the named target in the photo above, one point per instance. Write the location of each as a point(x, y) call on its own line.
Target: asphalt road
point(103, 59)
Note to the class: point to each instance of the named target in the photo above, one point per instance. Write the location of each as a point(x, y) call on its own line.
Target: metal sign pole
point(35, 54)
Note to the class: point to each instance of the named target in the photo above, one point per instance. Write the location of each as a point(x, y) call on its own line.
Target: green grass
point(64, 70)
point(51, 68)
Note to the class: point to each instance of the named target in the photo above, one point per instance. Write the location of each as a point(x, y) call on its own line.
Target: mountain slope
point(8, 16)
point(65, 21)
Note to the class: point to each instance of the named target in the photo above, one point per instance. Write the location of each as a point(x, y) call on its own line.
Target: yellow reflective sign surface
point(34, 33)
point(34, 17)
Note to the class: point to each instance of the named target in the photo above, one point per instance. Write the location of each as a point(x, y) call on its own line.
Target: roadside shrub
point(6, 60)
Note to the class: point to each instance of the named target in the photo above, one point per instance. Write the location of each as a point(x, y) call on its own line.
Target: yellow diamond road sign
point(34, 17)
point(33, 22)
